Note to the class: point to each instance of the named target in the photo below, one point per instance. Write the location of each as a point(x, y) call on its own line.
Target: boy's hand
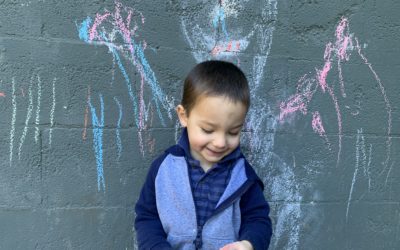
point(238, 245)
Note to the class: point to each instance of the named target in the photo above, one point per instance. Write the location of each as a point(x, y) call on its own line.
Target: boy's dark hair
point(215, 78)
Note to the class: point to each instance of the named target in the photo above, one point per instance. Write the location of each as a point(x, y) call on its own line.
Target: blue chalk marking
point(220, 18)
point(119, 143)
point(98, 127)
point(151, 78)
point(126, 77)
point(84, 29)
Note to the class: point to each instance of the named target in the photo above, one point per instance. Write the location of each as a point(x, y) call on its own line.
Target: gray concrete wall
point(87, 96)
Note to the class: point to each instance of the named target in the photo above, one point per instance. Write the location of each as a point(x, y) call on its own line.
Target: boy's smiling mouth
point(215, 153)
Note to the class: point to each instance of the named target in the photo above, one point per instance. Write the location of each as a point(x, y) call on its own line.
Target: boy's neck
point(205, 167)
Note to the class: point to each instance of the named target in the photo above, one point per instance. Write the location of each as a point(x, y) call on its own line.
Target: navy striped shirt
point(207, 187)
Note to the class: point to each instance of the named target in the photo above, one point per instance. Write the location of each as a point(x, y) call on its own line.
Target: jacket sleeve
point(149, 231)
point(255, 222)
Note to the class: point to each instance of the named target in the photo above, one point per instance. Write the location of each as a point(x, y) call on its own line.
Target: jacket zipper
point(233, 197)
point(198, 241)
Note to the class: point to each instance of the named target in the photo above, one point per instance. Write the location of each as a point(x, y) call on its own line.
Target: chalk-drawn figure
point(119, 30)
point(223, 30)
point(346, 98)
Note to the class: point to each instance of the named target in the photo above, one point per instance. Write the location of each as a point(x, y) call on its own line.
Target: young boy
point(202, 193)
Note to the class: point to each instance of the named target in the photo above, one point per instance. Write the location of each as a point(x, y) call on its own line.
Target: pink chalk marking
point(216, 50)
point(93, 30)
point(226, 47)
point(343, 40)
point(2, 94)
point(124, 28)
point(129, 18)
point(294, 104)
point(316, 124)
point(298, 101)
point(121, 24)
point(343, 43)
point(318, 128)
point(229, 47)
point(237, 46)
point(86, 117)
point(322, 74)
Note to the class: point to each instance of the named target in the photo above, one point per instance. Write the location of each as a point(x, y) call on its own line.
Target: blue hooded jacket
point(166, 214)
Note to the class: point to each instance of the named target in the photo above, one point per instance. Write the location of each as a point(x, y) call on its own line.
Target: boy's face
point(214, 125)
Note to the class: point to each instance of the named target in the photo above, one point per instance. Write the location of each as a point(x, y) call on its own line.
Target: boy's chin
point(214, 159)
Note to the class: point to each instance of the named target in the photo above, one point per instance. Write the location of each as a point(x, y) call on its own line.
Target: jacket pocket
point(181, 242)
point(216, 243)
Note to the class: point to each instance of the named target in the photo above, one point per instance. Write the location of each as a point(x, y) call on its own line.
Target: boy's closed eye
point(210, 131)
point(235, 133)
point(207, 131)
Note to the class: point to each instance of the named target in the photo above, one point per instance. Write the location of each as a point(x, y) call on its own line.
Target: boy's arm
point(149, 231)
point(256, 224)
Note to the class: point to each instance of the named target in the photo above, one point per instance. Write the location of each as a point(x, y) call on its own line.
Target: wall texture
point(87, 96)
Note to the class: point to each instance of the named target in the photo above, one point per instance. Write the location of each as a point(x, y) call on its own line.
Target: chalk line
point(28, 117)
point(13, 120)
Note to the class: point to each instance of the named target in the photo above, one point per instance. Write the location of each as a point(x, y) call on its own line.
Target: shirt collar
point(184, 144)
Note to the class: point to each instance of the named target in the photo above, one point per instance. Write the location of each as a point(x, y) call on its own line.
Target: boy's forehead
point(213, 105)
point(224, 99)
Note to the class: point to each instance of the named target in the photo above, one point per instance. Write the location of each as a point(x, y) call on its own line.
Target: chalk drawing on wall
point(221, 36)
point(86, 115)
point(2, 94)
point(13, 120)
point(329, 81)
point(363, 159)
point(117, 131)
point(98, 126)
point(336, 54)
point(27, 119)
point(120, 31)
point(218, 32)
point(33, 113)
point(53, 108)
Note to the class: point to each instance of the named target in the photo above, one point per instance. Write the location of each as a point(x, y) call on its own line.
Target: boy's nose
point(220, 142)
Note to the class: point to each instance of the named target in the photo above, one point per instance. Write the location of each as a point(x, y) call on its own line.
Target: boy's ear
point(181, 112)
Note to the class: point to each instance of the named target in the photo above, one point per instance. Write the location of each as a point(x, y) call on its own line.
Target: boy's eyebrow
point(215, 125)
point(238, 126)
